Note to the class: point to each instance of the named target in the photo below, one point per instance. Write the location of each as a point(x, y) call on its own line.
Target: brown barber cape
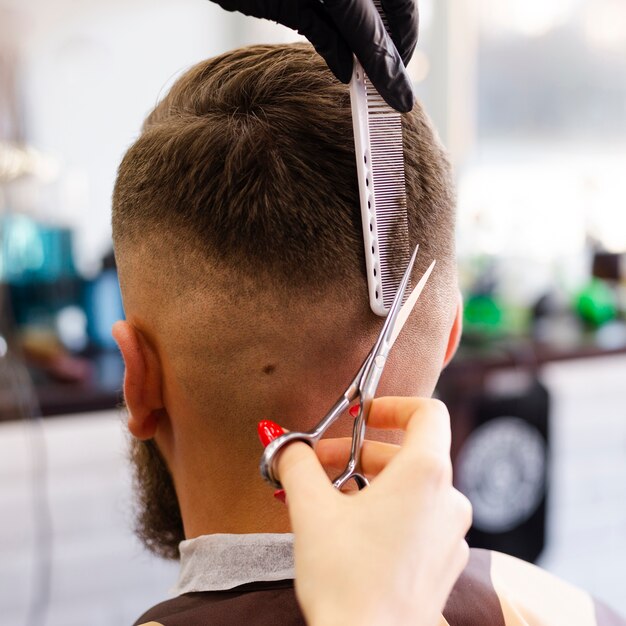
point(494, 590)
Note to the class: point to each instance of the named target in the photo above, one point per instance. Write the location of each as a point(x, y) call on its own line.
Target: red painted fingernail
point(268, 431)
point(354, 410)
point(280, 494)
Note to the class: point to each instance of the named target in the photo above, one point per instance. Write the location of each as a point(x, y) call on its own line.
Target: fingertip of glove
point(404, 94)
point(405, 102)
point(402, 99)
point(341, 67)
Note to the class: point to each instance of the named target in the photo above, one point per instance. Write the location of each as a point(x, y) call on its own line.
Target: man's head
point(237, 234)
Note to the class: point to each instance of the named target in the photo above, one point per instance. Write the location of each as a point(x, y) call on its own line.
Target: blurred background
point(529, 96)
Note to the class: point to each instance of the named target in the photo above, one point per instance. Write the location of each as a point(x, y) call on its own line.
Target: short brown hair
point(249, 160)
point(251, 154)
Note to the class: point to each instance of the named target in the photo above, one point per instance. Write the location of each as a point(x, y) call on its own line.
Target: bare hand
point(389, 554)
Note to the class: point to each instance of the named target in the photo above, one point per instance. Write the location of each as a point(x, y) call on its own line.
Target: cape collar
point(223, 561)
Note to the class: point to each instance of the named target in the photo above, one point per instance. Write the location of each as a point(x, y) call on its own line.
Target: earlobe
point(142, 381)
point(455, 332)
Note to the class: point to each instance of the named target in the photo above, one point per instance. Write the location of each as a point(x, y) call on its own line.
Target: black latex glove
point(339, 28)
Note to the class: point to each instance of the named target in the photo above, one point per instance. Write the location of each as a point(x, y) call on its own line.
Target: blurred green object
point(483, 314)
point(596, 304)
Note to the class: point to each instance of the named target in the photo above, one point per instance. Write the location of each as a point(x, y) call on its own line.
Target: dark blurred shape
point(500, 426)
point(609, 266)
point(502, 467)
point(550, 304)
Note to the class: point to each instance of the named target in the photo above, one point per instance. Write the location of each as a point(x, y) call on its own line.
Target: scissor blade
point(409, 305)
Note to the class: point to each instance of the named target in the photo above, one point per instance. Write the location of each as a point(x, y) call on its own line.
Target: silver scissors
point(363, 388)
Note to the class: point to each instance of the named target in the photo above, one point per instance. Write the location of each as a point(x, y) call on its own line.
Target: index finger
point(426, 421)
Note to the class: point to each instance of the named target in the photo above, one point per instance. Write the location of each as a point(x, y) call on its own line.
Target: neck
point(215, 465)
point(220, 493)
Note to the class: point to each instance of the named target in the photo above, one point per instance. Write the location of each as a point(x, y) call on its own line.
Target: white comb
point(382, 189)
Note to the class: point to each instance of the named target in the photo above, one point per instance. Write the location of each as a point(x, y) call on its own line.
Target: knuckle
point(435, 468)
point(439, 408)
point(465, 552)
point(463, 509)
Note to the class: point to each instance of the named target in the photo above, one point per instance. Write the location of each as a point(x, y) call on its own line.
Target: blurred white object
point(71, 323)
point(17, 161)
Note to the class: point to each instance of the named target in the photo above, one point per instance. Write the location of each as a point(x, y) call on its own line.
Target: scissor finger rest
point(341, 481)
point(273, 449)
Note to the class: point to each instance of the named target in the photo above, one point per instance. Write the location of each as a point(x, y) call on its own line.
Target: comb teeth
point(387, 156)
point(382, 189)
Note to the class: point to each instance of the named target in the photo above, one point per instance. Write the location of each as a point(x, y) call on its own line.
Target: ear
point(455, 332)
point(142, 380)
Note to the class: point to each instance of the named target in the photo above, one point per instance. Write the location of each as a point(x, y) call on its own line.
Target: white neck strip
point(220, 562)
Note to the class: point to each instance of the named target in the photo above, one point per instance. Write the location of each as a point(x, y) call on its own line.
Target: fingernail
point(280, 494)
point(354, 410)
point(268, 431)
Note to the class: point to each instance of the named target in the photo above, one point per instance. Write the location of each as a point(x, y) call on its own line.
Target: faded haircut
point(250, 157)
point(249, 160)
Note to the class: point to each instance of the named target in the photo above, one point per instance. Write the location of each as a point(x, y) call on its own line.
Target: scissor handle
point(347, 476)
point(270, 454)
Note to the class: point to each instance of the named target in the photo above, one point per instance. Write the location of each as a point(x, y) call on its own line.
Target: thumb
point(304, 480)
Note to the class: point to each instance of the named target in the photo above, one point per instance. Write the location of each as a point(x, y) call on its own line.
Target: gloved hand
point(340, 28)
